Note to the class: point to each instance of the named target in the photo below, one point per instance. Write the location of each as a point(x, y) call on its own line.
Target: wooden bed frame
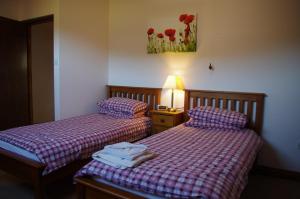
point(252, 104)
point(31, 170)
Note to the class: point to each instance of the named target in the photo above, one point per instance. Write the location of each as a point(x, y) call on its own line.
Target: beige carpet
point(259, 187)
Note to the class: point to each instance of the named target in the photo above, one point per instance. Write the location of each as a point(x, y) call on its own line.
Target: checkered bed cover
point(58, 143)
point(191, 163)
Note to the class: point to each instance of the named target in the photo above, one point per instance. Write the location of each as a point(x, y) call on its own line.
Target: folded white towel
point(126, 145)
point(110, 163)
point(120, 160)
point(125, 150)
point(121, 163)
point(122, 155)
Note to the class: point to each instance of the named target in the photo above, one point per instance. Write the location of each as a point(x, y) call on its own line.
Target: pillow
point(122, 107)
point(204, 124)
point(208, 114)
point(118, 114)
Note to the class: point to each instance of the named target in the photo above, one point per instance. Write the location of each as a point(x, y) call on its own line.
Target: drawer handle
point(162, 120)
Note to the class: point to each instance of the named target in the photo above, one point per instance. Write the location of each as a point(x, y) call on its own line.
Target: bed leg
point(38, 191)
point(38, 186)
point(80, 191)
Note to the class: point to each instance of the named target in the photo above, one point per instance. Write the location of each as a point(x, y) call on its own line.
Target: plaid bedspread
point(58, 143)
point(191, 163)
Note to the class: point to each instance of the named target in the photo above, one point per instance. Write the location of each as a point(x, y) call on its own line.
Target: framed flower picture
point(181, 37)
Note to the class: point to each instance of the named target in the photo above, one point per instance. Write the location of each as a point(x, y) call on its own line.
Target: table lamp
point(173, 82)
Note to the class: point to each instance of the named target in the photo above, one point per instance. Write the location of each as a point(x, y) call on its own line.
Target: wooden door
point(14, 109)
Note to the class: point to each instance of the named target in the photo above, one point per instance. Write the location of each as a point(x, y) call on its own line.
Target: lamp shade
point(174, 82)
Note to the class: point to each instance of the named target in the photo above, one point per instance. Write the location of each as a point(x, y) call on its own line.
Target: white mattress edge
point(19, 151)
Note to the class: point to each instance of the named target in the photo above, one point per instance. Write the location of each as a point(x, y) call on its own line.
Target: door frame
point(29, 23)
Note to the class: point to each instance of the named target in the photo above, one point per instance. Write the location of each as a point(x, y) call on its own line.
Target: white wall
point(80, 49)
point(254, 46)
point(37, 8)
point(10, 9)
point(83, 55)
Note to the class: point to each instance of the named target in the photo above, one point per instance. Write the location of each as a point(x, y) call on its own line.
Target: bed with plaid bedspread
point(58, 143)
point(191, 163)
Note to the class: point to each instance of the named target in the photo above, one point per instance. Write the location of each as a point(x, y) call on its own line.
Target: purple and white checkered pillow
point(118, 114)
point(208, 116)
point(209, 125)
point(122, 107)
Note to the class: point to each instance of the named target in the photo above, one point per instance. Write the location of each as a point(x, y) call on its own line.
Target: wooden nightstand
point(163, 120)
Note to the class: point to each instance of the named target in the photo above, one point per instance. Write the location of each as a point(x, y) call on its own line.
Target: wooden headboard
point(150, 96)
point(252, 104)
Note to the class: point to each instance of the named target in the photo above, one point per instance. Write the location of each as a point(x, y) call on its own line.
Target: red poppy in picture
point(170, 32)
point(182, 17)
point(160, 35)
point(189, 19)
point(178, 37)
point(150, 31)
point(172, 38)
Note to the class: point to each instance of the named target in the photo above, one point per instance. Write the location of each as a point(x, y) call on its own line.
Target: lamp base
point(172, 109)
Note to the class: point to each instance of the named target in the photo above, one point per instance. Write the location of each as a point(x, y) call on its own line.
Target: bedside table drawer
point(158, 129)
point(163, 120)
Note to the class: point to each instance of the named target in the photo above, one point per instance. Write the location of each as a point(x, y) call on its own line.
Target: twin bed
point(42, 153)
point(191, 162)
